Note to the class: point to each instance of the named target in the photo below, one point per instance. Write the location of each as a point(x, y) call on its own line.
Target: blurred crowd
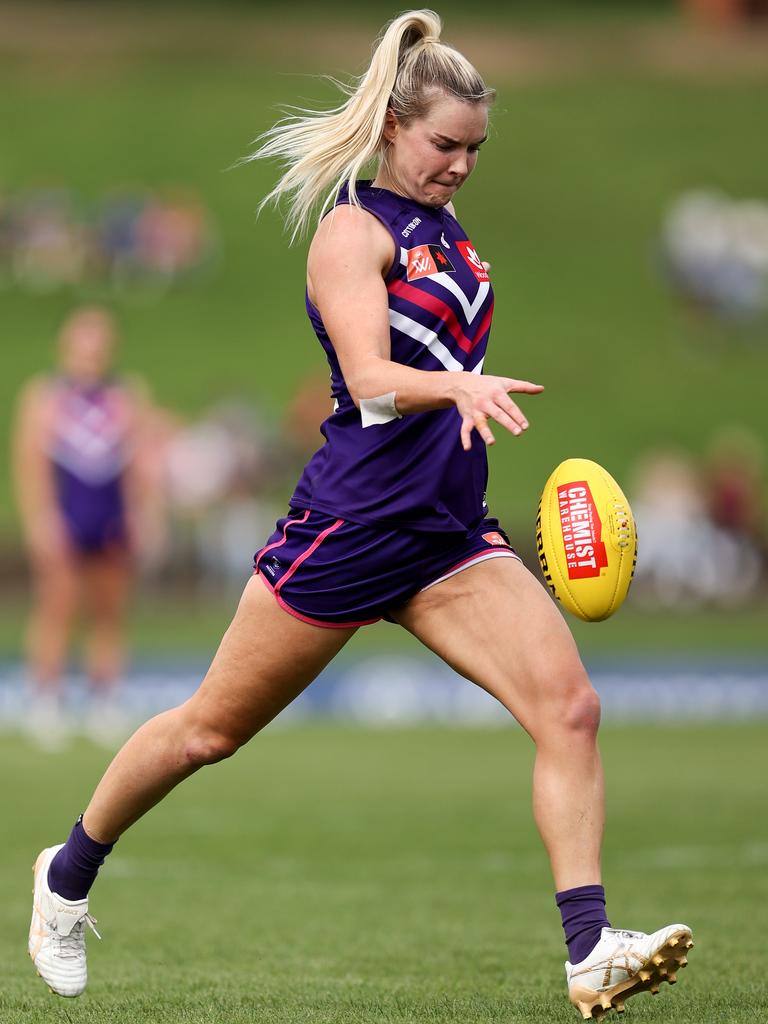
point(223, 477)
point(715, 253)
point(135, 241)
point(702, 524)
point(729, 13)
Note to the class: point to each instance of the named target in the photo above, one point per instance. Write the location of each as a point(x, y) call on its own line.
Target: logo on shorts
point(496, 539)
point(271, 569)
point(426, 260)
point(473, 261)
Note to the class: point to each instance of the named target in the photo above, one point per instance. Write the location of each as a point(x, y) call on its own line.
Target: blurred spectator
point(141, 242)
point(684, 558)
point(221, 474)
point(49, 246)
point(153, 241)
point(310, 406)
point(734, 485)
point(715, 251)
point(86, 512)
point(728, 12)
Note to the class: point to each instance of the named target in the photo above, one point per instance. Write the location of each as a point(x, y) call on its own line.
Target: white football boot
point(57, 933)
point(624, 963)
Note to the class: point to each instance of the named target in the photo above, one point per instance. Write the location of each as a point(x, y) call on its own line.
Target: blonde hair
point(322, 150)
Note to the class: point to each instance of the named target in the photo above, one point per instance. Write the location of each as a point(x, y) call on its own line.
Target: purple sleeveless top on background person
point(89, 450)
point(411, 472)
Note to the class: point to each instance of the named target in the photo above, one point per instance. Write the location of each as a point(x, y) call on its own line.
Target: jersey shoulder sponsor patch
point(426, 260)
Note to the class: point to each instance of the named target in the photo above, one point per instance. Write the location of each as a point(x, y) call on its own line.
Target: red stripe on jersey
point(434, 305)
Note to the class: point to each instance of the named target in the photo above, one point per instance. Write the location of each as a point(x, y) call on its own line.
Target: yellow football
point(586, 539)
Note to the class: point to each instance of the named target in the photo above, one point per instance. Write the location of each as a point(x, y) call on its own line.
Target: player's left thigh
point(497, 625)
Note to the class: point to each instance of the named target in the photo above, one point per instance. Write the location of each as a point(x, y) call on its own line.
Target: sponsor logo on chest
point(425, 260)
point(472, 260)
point(411, 227)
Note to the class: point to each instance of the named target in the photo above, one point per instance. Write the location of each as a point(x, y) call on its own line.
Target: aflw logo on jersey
point(582, 531)
point(425, 260)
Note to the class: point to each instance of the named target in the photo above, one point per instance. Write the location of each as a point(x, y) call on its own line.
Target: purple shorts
point(331, 572)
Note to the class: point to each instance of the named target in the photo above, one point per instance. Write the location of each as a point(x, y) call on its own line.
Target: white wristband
point(374, 411)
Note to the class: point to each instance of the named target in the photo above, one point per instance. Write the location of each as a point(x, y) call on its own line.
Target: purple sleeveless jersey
point(88, 449)
point(410, 473)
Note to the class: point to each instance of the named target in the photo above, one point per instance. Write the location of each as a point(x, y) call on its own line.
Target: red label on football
point(582, 528)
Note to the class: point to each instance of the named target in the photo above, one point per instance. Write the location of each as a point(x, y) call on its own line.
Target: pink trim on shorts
point(479, 556)
point(305, 554)
point(278, 543)
point(305, 618)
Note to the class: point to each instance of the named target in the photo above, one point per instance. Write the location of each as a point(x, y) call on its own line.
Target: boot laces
point(73, 945)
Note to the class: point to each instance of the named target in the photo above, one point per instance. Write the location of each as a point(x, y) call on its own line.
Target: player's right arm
point(348, 259)
point(34, 483)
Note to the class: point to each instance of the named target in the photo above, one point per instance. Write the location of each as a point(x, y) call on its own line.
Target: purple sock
point(583, 913)
point(74, 868)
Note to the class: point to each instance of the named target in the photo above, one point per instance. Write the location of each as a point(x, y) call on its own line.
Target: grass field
point(337, 875)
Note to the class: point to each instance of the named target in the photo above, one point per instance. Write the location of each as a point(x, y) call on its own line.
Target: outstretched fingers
point(523, 386)
point(478, 422)
point(511, 417)
point(497, 405)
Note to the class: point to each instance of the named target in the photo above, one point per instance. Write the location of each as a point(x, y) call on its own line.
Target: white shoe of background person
point(57, 933)
point(624, 963)
point(46, 723)
point(105, 721)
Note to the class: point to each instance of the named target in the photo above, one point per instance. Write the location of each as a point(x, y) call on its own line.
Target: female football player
point(388, 518)
point(75, 448)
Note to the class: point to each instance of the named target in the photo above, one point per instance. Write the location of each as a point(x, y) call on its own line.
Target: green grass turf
point(342, 875)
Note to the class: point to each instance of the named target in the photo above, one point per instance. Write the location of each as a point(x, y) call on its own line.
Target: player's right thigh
point(265, 659)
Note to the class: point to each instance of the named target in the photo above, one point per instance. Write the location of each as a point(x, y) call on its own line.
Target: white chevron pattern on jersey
point(430, 340)
point(470, 309)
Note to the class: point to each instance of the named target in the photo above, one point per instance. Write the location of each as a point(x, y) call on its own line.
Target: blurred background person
point(77, 450)
point(735, 489)
point(221, 470)
point(690, 551)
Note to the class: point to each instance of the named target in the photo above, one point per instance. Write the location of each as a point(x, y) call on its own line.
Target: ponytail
point(322, 150)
